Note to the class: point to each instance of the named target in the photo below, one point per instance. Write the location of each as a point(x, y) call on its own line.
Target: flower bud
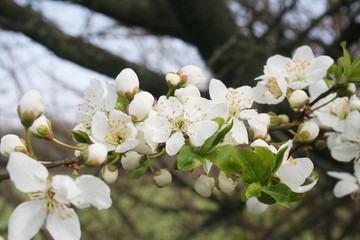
point(354, 104)
point(162, 178)
point(173, 80)
point(193, 75)
point(347, 90)
point(186, 93)
point(225, 184)
point(284, 118)
point(258, 132)
point(307, 131)
point(42, 128)
point(131, 160)
point(265, 118)
point(127, 83)
point(298, 98)
point(255, 206)
point(140, 107)
point(11, 143)
point(259, 143)
point(204, 185)
point(30, 107)
point(109, 173)
point(95, 155)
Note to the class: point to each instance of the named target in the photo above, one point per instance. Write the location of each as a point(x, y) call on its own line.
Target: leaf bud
point(12, 143)
point(162, 178)
point(204, 185)
point(131, 160)
point(109, 173)
point(95, 155)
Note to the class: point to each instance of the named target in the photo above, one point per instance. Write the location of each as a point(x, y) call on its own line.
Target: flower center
point(118, 132)
point(237, 102)
point(292, 161)
point(274, 88)
point(340, 107)
point(296, 69)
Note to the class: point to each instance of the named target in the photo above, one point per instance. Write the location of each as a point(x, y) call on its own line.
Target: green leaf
point(280, 192)
point(266, 199)
point(188, 160)
point(267, 155)
point(279, 158)
point(355, 63)
point(355, 75)
point(122, 103)
point(347, 60)
point(138, 172)
point(296, 196)
point(255, 167)
point(226, 158)
point(214, 139)
point(81, 136)
point(219, 120)
point(339, 70)
point(254, 190)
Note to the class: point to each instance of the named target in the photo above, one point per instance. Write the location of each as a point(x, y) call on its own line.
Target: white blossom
point(184, 94)
point(307, 131)
point(204, 185)
point(225, 184)
point(255, 206)
point(348, 184)
point(127, 83)
point(141, 106)
point(49, 199)
point(162, 178)
point(193, 75)
point(41, 127)
point(298, 98)
point(30, 107)
point(95, 155)
point(270, 90)
point(11, 143)
point(109, 173)
point(131, 160)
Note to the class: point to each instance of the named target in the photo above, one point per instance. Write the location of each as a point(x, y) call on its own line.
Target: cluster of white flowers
point(123, 124)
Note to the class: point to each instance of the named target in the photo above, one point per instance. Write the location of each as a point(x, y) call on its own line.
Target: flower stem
point(115, 160)
point(148, 160)
point(28, 143)
point(312, 110)
point(169, 92)
point(157, 154)
point(66, 145)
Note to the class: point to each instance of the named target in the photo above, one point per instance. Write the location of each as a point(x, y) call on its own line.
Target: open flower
point(300, 71)
point(176, 118)
point(49, 198)
point(270, 90)
point(293, 172)
point(116, 132)
point(348, 184)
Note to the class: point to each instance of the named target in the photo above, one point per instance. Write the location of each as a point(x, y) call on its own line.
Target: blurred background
point(58, 46)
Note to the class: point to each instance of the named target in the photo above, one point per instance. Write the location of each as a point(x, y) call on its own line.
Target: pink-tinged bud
point(193, 75)
point(30, 107)
point(307, 132)
point(225, 184)
point(42, 128)
point(109, 173)
point(127, 83)
point(173, 80)
point(204, 185)
point(162, 178)
point(140, 107)
point(258, 132)
point(298, 98)
point(95, 155)
point(131, 160)
point(11, 143)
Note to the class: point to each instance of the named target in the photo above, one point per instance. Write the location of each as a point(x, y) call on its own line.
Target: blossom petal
point(352, 129)
point(303, 53)
point(345, 152)
point(255, 206)
point(65, 188)
point(342, 176)
point(291, 176)
point(26, 220)
point(66, 228)
point(239, 132)
point(127, 145)
point(218, 91)
point(305, 166)
point(174, 143)
point(27, 174)
point(306, 188)
point(99, 126)
point(160, 128)
point(94, 191)
point(200, 131)
point(343, 188)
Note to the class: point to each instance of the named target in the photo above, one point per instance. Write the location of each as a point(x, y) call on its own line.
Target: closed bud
point(193, 75)
point(204, 185)
point(298, 98)
point(42, 128)
point(347, 90)
point(127, 83)
point(109, 173)
point(30, 108)
point(173, 80)
point(11, 143)
point(307, 132)
point(162, 178)
point(259, 143)
point(284, 118)
point(131, 160)
point(258, 132)
point(225, 184)
point(95, 155)
point(354, 104)
point(140, 107)
point(255, 206)
point(320, 144)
